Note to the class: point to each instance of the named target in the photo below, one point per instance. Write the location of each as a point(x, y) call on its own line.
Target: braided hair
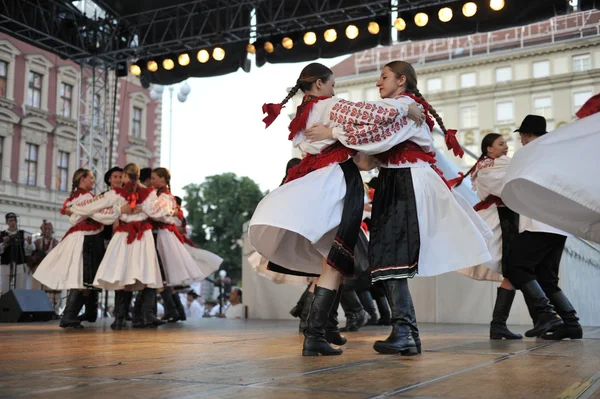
point(77, 176)
point(308, 77)
point(165, 174)
point(487, 141)
point(133, 172)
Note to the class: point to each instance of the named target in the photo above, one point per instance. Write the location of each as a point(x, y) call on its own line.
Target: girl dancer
point(309, 225)
point(72, 265)
point(417, 223)
point(486, 176)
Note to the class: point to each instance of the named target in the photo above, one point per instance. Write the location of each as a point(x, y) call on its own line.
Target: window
point(543, 106)
point(503, 74)
point(62, 171)
point(434, 84)
point(343, 95)
point(541, 69)
point(66, 97)
point(468, 116)
point(580, 98)
point(581, 63)
point(34, 91)
point(504, 111)
point(31, 161)
point(3, 78)
point(467, 80)
point(136, 127)
point(372, 94)
point(96, 109)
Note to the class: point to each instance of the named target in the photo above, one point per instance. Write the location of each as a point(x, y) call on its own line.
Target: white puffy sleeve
point(157, 208)
point(491, 181)
point(170, 206)
point(103, 208)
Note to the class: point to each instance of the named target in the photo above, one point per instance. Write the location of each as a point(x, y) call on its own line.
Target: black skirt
point(93, 252)
point(160, 262)
point(509, 224)
point(395, 242)
point(361, 281)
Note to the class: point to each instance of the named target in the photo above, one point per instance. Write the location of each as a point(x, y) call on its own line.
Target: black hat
point(110, 172)
point(145, 174)
point(10, 215)
point(533, 124)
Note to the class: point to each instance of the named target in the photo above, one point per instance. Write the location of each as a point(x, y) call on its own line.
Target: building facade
point(41, 109)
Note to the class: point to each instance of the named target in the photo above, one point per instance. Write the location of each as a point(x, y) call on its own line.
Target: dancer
point(74, 262)
point(309, 225)
point(486, 177)
point(418, 224)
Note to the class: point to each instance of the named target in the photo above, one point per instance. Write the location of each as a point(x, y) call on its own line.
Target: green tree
point(217, 210)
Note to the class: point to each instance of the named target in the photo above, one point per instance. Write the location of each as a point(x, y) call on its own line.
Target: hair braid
point(291, 93)
point(469, 171)
point(432, 111)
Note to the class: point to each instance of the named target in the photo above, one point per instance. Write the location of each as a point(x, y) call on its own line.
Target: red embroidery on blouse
point(79, 192)
point(348, 113)
point(335, 153)
point(299, 122)
point(426, 107)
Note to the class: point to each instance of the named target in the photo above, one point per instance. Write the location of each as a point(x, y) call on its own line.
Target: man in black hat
point(534, 265)
point(146, 176)
point(112, 178)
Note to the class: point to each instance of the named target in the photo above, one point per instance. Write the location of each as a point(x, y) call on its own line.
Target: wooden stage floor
point(261, 359)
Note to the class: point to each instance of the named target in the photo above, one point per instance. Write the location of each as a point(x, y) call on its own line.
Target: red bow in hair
point(132, 199)
point(456, 180)
point(590, 107)
point(272, 111)
point(452, 143)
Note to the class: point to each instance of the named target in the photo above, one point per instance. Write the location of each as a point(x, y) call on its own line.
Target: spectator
point(237, 309)
point(194, 309)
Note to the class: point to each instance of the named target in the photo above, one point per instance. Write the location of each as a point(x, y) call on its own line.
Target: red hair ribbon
point(272, 111)
point(590, 107)
point(452, 143)
point(456, 180)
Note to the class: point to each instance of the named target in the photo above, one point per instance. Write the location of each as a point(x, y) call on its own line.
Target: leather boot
point(332, 332)
point(369, 306)
point(179, 306)
point(308, 300)
point(74, 304)
point(401, 339)
point(412, 317)
point(171, 313)
point(385, 318)
point(530, 308)
point(356, 316)
point(297, 310)
point(122, 298)
point(545, 314)
point(91, 307)
point(149, 308)
point(137, 320)
point(498, 329)
point(315, 342)
point(571, 328)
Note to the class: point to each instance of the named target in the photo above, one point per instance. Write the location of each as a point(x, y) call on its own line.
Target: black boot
point(297, 310)
point(356, 316)
point(401, 339)
point(74, 304)
point(412, 317)
point(122, 298)
point(385, 318)
point(314, 336)
point(545, 314)
point(91, 307)
point(137, 320)
point(571, 328)
point(149, 308)
point(369, 306)
point(179, 306)
point(498, 329)
point(332, 332)
point(530, 308)
point(308, 299)
point(171, 313)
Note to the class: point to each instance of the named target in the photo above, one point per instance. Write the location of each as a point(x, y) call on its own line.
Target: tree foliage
point(217, 210)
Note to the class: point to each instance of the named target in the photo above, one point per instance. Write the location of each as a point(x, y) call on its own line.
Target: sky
point(219, 128)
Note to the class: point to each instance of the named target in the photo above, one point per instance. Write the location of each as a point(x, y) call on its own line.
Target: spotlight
point(168, 64)
point(218, 54)
point(445, 14)
point(184, 59)
point(203, 56)
point(421, 19)
point(287, 43)
point(469, 9)
point(152, 66)
point(135, 70)
point(250, 48)
point(351, 32)
point(330, 35)
point(373, 28)
point(269, 48)
point(310, 38)
point(496, 5)
point(400, 24)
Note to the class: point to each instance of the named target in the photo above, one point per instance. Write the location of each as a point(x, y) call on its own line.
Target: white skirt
point(294, 226)
point(179, 266)
point(62, 268)
point(207, 262)
point(259, 265)
point(134, 264)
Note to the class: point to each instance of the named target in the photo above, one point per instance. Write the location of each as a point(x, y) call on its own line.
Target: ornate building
point(41, 109)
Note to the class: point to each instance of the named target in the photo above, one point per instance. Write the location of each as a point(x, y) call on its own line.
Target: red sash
point(134, 230)
point(335, 153)
point(487, 202)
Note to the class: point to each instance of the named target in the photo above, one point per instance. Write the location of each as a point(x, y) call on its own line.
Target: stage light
point(310, 38)
point(250, 48)
point(445, 14)
point(373, 28)
point(203, 56)
point(496, 5)
point(352, 32)
point(269, 48)
point(218, 54)
point(184, 59)
point(287, 43)
point(469, 9)
point(135, 70)
point(168, 64)
point(152, 66)
point(400, 24)
point(330, 35)
point(421, 19)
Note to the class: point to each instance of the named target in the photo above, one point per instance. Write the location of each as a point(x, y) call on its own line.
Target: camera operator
point(15, 247)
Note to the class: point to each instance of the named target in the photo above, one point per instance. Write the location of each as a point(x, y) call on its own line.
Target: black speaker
point(25, 305)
